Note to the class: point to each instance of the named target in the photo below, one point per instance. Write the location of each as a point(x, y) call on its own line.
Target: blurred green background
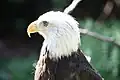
point(18, 53)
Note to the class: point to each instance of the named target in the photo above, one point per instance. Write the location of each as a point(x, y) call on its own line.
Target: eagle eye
point(45, 23)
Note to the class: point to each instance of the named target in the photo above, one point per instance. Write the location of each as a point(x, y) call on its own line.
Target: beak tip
point(29, 34)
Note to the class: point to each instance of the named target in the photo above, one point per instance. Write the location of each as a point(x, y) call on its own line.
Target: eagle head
point(60, 32)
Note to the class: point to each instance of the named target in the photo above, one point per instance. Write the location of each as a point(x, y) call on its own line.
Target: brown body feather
point(74, 67)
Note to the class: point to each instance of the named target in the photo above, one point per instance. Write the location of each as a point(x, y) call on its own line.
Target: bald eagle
point(61, 57)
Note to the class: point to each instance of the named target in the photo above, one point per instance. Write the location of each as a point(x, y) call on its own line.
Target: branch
point(99, 37)
point(71, 6)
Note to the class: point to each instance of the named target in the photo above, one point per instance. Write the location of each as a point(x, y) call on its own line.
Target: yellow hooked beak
point(32, 28)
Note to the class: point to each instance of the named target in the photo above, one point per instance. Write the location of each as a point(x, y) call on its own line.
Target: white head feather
point(61, 34)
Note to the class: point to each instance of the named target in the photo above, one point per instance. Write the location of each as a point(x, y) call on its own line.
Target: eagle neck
point(60, 46)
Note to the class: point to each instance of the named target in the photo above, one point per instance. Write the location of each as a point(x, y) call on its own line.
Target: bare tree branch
point(71, 6)
point(99, 37)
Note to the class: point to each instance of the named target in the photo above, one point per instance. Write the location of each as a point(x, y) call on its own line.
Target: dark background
point(18, 52)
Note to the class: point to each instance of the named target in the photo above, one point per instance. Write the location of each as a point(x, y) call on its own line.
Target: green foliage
point(18, 69)
point(105, 56)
